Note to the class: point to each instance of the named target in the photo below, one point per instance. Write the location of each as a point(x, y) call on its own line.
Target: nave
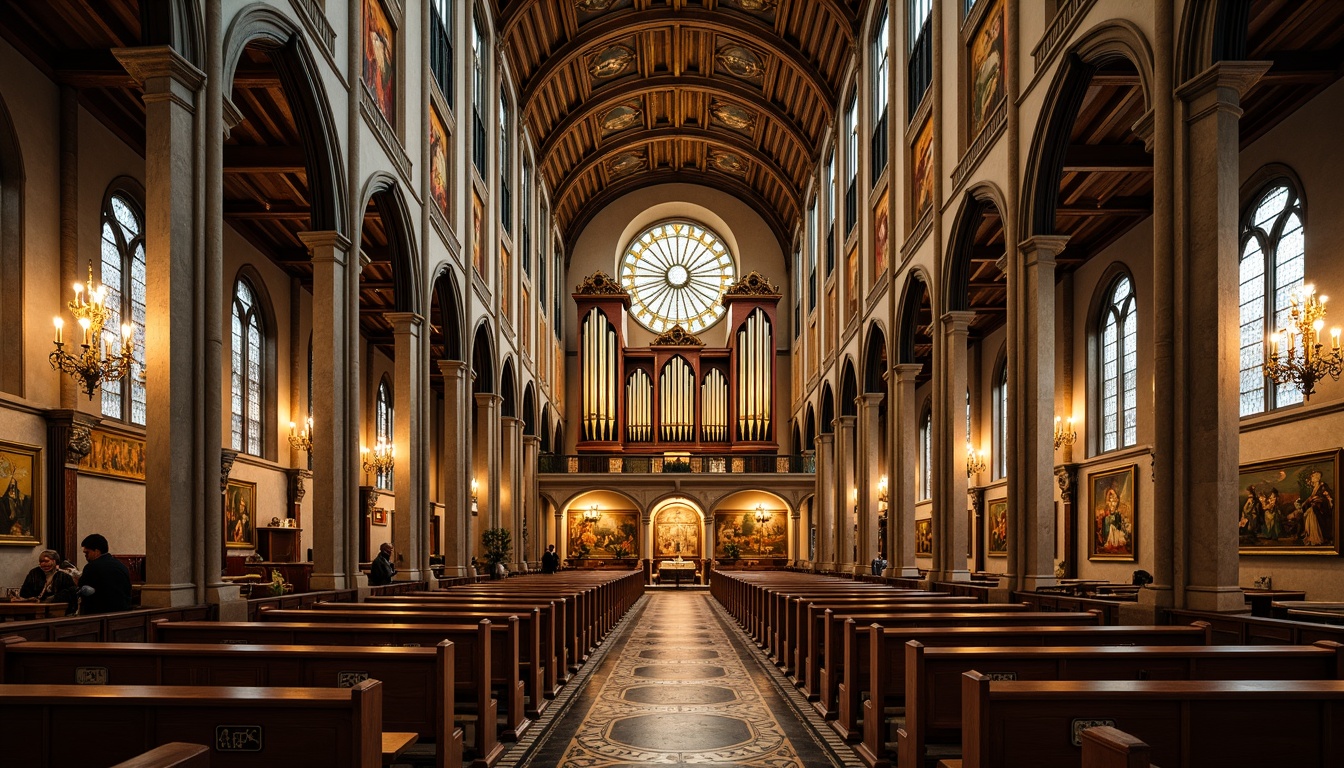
point(680, 685)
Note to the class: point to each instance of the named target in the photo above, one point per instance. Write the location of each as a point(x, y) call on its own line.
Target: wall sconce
point(591, 514)
point(96, 363)
point(303, 439)
point(882, 496)
point(975, 462)
point(1065, 434)
point(379, 461)
point(475, 486)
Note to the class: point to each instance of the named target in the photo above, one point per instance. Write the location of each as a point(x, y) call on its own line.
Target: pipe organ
point(678, 393)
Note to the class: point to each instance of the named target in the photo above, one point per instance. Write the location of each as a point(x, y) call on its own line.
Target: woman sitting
point(47, 583)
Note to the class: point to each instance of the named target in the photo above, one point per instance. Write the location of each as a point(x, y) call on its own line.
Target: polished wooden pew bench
point(52, 725)
point(1107, 747)
point(174, 754)
point(418, 694)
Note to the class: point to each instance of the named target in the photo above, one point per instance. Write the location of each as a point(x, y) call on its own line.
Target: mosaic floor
point(680, 686)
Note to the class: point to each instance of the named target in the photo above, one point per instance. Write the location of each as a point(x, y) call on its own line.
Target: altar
point(676, 571)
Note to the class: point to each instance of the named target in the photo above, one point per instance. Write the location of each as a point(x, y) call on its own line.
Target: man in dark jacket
point(550, 561)
point(105, 585)
point(382, 571)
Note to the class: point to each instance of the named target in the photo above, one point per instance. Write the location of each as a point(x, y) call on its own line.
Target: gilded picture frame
point(240, 515)
point(1114, 514)
point(1287, 506)
point(996, 533)
point(113, 455)
point(21, 513)
point(924, 537)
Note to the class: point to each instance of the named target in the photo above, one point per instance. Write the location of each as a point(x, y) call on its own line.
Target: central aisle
point(679, 686)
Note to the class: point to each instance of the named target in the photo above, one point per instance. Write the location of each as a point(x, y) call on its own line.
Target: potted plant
point(498, 543)
point(731, 550)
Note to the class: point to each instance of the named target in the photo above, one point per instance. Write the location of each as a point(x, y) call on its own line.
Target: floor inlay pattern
point(679, 690)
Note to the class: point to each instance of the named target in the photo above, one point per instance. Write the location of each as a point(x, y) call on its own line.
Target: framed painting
point(924, 537)
point(379, 516)
point(738, 532)
point(676, 532)
point(996, 543)
point(112, 455)
point(477, 224)
point(852, 285)
point(438, 162)
point(380, 73)
point(1114, 514)
point(21, 503)
point(240, 515)
point(986, 69)
point(881, 236)
point(613, 536)
point(1287, 506)
point(921, 174)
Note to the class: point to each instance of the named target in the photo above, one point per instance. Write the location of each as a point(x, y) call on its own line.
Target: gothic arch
point(915, 293)
point(445, 295)
point(530, 411)
point(1102, 44)
point(979, 201)
point(303, 89)
point(1211, 31)
point(876, 361)
point(174, 23)
point(483, 360)
point(384, 191)
point(849, 389)
point(827, 409)
point(508, 390)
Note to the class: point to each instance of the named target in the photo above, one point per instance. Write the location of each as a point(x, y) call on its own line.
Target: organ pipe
point(755, 371)
point(714, 408)
point(600, 349)
point(639, 396)
point(676, 388)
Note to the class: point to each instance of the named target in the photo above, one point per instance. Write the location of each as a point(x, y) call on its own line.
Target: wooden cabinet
point(279, 545)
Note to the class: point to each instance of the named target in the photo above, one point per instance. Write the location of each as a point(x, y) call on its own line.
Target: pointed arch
point(1211, 31)
point(252, 365)
point(849, 389)
point(508, 390)
point(913, 298)
point(810, 429)
point(530, 410)
point(875, 360)
point(980, 201)
point(547, 443)
point(384, 191)
point(483, 360)
point(827, 409)
point(174, 23)
point(445, 314)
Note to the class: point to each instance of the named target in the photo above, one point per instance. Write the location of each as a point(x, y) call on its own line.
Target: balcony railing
point(554, 464)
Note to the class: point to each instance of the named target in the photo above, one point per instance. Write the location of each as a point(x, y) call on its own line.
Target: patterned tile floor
point(678, 684)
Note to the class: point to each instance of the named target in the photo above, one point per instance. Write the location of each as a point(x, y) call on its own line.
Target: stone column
point(1207, 443)
point(951, 534)
point(904, 490)
point(176, 389)
point(797, 538)
point(485, 465)
point(827, 506)
point(533, 523)
point(453, 465)
point(846, 485)
point(1033, 539)
point(410, 522)
point(869, 471)
point(510, 482)
point(335, 449)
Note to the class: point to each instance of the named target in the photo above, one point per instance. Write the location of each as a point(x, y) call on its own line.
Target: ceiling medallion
point(622, 116)
point(754, 284)
point(732, 116)
point(757, 6)
point(599, 284)
point(677, 337)
point(626, 162)
point(611, 62)
point(740, 61)
point(594, 6)
point(728, 162)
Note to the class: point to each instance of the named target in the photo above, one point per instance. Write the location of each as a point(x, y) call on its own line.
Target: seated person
point(105, 586)
point(47, 583)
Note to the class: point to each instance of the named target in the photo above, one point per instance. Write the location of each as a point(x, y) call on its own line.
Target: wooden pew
point(475, 647)
point(887, 674)
point(1107, 747)
point(43, 725)
point(795, 631)
point(933, 677)
point(418, 682)
point(174, 754)
point(1188, 723)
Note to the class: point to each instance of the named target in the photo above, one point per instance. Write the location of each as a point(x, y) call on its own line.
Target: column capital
point(488, 400)
point(845, 421)
point(145, 63)
point(404, 322)
point(453, 368)
point(958, 321)
point(1229, 80)
point(826, 438)
point(870, 399)
point(233, 117)
point(325, 245)
point(512, 422)
point(531, 440)
point(1041, 250)
point(906, 371)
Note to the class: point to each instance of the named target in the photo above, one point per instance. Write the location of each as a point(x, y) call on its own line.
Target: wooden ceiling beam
point(1109, 158)
point(1116, 206)
point(259, 212)
point(239, 159)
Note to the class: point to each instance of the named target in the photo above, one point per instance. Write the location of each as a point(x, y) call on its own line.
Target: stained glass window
point(1273, 261)
point(246, 384)
point(383, 427)
point(123, 273)
point(1119, 356)
point(676, 273)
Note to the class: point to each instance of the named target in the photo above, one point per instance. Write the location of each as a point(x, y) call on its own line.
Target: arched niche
point(678, 530)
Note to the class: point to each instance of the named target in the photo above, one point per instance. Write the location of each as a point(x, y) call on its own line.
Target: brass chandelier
point(93, 363)
point(1297, 354)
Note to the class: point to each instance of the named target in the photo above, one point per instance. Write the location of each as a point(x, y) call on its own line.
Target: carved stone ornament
point(1067, 479)
point(677, 336)
point(753, 284)
point(79, 444)
point(599, 284)
point(226, 458)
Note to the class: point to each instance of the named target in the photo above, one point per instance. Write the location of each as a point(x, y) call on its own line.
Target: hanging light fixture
point(302, 440)
point(95, 364)
point(591, 514)
point(380, 460)
point(1297, 353)
point(975, 462)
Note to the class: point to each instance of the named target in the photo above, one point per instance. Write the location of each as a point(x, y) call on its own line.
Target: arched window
point(478, 86)
point(1001, 420)
point(1273, 260)
point(123, 270)
point(249, 360)
point(383, 427)
point(1117, 355)
point(926, 453)
point(881, 56)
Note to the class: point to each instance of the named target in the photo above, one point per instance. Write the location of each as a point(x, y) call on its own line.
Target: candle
point(84, 323)
point(59, 323)
point(291, 429)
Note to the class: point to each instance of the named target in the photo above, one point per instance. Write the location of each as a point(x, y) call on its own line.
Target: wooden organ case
point(677, 394)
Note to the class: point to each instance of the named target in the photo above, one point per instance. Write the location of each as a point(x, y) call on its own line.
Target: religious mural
point(881, 235)
point(477, 224)
point(676, 532)
point(921, 180)
point(438, 162)
point(852, 284)
point(114, 456)
point(924, 538)
point(240, 515)
point(613, 536)
point(380, 73)
point(997, 522)
point(986, 68)
point(737, 534)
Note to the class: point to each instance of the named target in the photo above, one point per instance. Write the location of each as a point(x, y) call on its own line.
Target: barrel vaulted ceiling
point(738, 95)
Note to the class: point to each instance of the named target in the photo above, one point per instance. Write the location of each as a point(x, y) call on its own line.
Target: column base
point(413, 575)
point(824, 567)
point(907, 572)
point(1148, 608)
point(1031, 582)
point(955, 575)
point(324, 581)
point(167, 595)
point(230, 602)
point(1220, 599)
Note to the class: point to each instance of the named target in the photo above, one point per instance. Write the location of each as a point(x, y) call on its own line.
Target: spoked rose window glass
point(676, 274)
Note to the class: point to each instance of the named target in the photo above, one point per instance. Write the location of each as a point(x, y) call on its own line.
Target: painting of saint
point(505, 283)
point(986, 67)
point(1287, 506)
point(921, 181)
point(477, 223)
point(924, 538)
point(240, 515)
point(881, 236)
point(20, 517)
point(676, 533)
point(380, 72)
point(998, 529)
point(852, 284)
point(1112, 498)
point(438, 162)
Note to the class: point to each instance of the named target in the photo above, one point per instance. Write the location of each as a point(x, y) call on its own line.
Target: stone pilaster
point(485, 464)
point(410, 523)
point(531, 547)
point(453, 466)
point(846, 488)
point(904, 490)
point(951, 534)
point(510, 482)
point(869, 471)
point(825, 516)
